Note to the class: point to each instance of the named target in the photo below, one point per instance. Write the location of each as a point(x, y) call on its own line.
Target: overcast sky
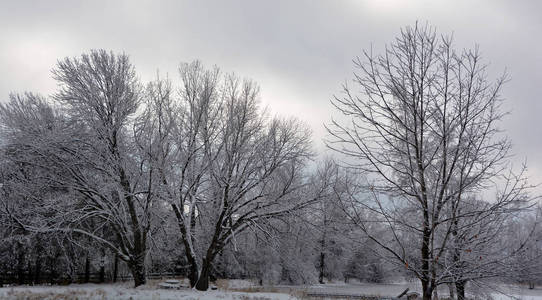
point(298, 51)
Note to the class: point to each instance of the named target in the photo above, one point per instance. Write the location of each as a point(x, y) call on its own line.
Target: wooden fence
point(92, 277)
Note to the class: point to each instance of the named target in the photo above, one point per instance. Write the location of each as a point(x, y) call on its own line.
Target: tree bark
point(322, 253)
point(427, 290)
point(137, 268)
point(460, 288)
point(20, 263)
point(451, 291)
point(29, 274)
point(322, 261)
point(203, 280)
point(54, 275)
point(102, 266)
point(37, 271)
point(37, 274)
point(193, 274)
point(426, 283)
point(187, 241)
point(87, 269)
point(102, 273)
point(116, 268)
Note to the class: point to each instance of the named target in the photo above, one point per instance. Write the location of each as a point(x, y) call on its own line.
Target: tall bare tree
point(422, 124)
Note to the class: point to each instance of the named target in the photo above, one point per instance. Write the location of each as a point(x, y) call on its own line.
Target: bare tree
point(479, 248)
point(526, 230)
point(423, 128)
point(228, 167)
point(330, 226)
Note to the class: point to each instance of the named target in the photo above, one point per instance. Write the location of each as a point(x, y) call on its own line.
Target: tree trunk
point(139, 252)
point(102, 267)
point(102, 273)
point(322, 261)
point(460, 288)
point(193, 274)
point(116, 268)
point(427, 290)
point(451, 291)
point(20, 263)
point(427, 295)
point(203, 280)
point(54, 274)
point(29, 274)
point(187, 240)
point(87, 269)
point(37, 274)
point(137, 268)
point(427, 285)
point(322, 253)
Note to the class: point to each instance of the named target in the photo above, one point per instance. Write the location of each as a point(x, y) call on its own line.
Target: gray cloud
point(300, 52)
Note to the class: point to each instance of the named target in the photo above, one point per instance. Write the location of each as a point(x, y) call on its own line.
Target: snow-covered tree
point(227, 167)
point(84, 146)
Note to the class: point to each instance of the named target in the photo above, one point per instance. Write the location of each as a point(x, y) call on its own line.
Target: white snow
point(515, 292)
point(239, 284)
point(126, 292)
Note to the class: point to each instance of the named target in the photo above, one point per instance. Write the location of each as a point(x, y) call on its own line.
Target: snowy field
point(518, 293)
point(125, 291)
point(234, 290)
point(393, 290)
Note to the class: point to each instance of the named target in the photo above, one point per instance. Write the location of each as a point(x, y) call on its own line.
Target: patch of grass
point(222, 284)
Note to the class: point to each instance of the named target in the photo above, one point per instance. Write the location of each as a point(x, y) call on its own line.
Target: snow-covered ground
point(504, 292)
point(124, 291)
point(386, 290)
point(515, 292)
